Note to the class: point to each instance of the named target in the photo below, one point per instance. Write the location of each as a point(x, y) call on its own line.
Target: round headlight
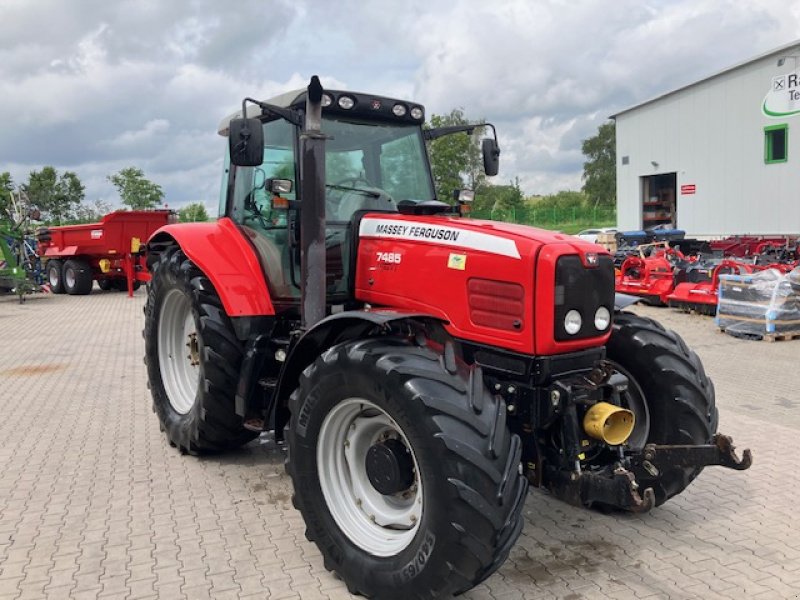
point(399, 110)
point(416, 112)
point(346, 102)
point(326, 100)
point(573, 322)
point(602, 319)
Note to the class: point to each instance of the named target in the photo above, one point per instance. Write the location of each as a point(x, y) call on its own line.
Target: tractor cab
point(375, 161)
point(375, 158)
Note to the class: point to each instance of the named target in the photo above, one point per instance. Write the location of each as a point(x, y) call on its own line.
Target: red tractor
point(422, 368)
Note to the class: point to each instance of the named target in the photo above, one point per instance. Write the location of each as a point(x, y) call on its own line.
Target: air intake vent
point(496, 304)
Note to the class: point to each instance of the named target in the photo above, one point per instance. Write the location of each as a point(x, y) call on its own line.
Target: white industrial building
point(719, 156)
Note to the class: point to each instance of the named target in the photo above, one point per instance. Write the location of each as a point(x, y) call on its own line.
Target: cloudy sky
point(94, 86)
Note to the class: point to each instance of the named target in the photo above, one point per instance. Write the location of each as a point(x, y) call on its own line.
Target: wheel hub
point(390, 468)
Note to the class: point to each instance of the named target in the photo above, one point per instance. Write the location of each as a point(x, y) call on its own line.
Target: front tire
point(77, 275)
point(55, 276)
point(669, 392)
point(453, 517)
point(193, 358)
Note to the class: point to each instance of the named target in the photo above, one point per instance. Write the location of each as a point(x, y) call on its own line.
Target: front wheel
point(668, 391)
point(77, 277)
point(193, 358)
point(55, 276)
point(405, 473)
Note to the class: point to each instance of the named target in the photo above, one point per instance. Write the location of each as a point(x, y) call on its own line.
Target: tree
point(456, 158)
point(493, 198)
point(600, 168)
point(56, 196)
point(135, 190)
point(91, 213)
point(6, 187)
point(193, 212)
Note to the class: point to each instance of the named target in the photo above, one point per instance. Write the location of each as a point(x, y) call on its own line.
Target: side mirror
point(279, 186)
point(491, 156)
point(246, 142)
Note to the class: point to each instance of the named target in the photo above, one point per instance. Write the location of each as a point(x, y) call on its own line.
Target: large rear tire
point(455, 509)
point(669, 392)
point(193, 358)
point(77, 275)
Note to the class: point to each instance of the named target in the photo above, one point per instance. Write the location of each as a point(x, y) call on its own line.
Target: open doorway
point(658, 201)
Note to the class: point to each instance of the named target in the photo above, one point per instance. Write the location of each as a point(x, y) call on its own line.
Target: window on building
point(776, 143)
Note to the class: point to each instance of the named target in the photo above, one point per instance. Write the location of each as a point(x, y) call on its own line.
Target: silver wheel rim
point(378, 524)
point(53, 276)
point(69, 278)
point(178, 351)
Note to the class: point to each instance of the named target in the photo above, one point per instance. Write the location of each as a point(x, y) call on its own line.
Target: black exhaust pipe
point(312, 210)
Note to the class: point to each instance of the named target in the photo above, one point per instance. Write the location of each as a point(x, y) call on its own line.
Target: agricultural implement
point(423, 368)
point(19, 264)
point(650, 274)
point(110, 252)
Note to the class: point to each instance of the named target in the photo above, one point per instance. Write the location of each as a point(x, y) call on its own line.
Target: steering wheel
point(334, 201)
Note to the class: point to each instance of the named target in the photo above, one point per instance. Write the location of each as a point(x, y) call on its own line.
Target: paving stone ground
point(95, 504)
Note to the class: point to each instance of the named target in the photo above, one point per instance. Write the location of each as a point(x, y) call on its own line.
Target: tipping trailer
point(110, 252)
point(424, 367)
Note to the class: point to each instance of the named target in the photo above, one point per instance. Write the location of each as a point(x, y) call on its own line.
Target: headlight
point(399, 110)
point(573, 322)
point(416, 112)
point(602, 319)
point(346, 102)
point(326, 100)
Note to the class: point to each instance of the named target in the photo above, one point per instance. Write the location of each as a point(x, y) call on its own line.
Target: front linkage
point(614, 477)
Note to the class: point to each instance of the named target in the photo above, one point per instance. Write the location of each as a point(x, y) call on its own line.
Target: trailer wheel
point(669, 392)
point(55, 276)
point(193, 358)
point(77, 275)
point(405, 473)
point(104, 284)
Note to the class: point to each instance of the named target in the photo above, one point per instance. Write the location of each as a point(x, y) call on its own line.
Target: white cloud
point(104, 85)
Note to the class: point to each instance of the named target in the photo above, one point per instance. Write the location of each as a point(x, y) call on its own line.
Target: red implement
point(110, 252)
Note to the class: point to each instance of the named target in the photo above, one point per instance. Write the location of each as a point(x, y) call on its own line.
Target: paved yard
point(94, 503)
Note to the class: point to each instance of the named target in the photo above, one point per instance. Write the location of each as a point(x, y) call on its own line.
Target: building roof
point(795, 45)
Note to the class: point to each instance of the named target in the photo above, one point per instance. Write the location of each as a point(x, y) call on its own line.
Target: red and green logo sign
point(783, 98)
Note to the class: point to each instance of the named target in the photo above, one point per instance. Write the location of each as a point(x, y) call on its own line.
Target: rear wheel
point(77, 277)
point(193, 358)
point(55, 276)
point(669, 392)
point(405, 473)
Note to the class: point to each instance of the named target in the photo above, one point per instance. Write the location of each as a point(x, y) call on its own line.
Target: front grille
point(584, 289)
point(497, 304)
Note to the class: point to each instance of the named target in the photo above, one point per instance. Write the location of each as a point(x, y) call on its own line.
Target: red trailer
point(111, 252)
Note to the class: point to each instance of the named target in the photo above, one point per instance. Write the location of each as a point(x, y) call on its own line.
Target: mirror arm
point(293, 116)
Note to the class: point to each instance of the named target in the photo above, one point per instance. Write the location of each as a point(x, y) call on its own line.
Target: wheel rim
point(53, 276)
point(634, 400)
point(382, 525)
point(69, 278)
point(178, 351)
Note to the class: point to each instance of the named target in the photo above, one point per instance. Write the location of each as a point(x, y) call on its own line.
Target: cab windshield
point(373, 166)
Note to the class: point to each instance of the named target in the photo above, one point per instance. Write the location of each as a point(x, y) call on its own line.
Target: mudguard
point(225, 256)
point(623, 300)
point(333, 330)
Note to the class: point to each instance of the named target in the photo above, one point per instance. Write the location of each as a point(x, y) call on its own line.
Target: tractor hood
point(492, 237)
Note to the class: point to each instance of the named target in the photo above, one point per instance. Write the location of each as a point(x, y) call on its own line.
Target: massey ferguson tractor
point(422, 368)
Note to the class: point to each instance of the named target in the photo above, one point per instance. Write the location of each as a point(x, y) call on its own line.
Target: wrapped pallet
point(762, 305)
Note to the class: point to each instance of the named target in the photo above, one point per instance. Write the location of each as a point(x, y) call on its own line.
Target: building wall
point(712, 135)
